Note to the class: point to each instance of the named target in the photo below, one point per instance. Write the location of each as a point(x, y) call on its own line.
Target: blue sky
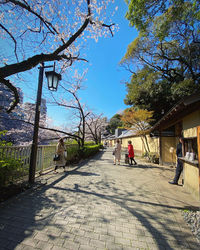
point(105, 92)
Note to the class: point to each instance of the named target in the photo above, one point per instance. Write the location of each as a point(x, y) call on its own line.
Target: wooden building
point(182, 120)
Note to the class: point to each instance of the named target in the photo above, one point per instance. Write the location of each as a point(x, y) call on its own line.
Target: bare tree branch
point(14, 91)
point(55, 55)
point(28, 8)
point(45, 128)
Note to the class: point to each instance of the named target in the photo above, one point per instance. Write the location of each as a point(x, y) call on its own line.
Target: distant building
point(7, 121)
point(6, 97)
point(119, 131)
point(18, 131)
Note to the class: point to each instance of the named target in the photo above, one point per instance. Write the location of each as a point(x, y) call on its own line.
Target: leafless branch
point(12, 37)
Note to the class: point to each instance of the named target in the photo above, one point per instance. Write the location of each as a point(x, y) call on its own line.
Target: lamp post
point(53, 79)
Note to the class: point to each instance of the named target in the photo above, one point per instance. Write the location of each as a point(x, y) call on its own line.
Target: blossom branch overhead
point(48, 31)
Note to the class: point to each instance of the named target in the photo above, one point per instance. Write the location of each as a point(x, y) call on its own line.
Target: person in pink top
point(131, 153)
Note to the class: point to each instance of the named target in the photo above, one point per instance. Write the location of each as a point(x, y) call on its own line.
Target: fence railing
point(45, 156)
point(22, 155)
point(15, 161)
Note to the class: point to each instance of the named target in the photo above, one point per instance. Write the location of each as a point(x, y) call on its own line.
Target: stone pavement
point(99, 206)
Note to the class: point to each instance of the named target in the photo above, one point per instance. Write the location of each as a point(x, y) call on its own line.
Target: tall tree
point(115, 122)
point(168, 44)
point(176, 60)
point(45, 31)
point(141, 13)
point(169, 37)
point(20, 123)
point(148, 90)
point(78, 111)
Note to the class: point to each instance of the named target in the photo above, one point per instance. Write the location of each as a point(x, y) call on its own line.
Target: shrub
point(145, 155)
point(101, 146)
point(10, 170)
point(152, 157)
point(89, 143)
point(90, 150)
point(72, 153)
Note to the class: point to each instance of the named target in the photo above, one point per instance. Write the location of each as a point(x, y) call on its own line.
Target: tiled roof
point(127, 133)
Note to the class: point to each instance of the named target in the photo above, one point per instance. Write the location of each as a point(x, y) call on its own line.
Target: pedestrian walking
point(179, 166)
point(117, 152)
point(131, 154)
point(61, 154)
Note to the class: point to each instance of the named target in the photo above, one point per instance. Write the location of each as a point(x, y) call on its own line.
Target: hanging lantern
point(53, 79)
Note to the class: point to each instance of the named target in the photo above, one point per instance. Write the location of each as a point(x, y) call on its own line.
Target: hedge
point(90, 150)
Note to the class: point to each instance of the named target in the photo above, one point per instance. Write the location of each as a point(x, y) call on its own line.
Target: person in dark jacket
point(179, 166)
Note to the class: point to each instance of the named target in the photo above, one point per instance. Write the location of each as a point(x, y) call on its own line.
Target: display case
point(190, 151)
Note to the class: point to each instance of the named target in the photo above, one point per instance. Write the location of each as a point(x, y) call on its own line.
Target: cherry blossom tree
point(83, 124)
point(44, 31)
point(78, 111)
point(19, 124)
point(95, 125)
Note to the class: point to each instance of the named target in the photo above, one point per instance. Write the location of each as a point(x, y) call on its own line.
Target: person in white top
point(117, 152)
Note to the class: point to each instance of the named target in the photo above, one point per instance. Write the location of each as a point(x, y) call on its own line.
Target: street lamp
point(53, 79)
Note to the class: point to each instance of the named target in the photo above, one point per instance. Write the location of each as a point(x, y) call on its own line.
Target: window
point(190, 145)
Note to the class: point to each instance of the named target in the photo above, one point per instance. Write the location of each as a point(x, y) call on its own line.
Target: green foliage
point(88, 143)
point(72, 153)
point(114, 123)
point(141, 13)
point(147, 91)
point(90, 150)
point(71, 141)
point(131, 50)
point(183, 88)
point(101, 146)
point(166, 53)
point(3, 142)
point(10, 170)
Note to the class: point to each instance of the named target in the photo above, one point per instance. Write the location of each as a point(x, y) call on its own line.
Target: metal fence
point(45, 156)
point(21, 154)
point(15, 161)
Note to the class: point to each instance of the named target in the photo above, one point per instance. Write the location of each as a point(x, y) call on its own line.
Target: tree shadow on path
point(44, 216)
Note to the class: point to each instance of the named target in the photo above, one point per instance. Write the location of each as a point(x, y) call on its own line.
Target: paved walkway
point(99, 206)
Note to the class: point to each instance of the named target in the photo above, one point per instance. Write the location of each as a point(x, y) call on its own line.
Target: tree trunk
point(145, 138)
point(145, 147)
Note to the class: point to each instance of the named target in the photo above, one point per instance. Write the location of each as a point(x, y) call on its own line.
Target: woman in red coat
point(131, 153)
